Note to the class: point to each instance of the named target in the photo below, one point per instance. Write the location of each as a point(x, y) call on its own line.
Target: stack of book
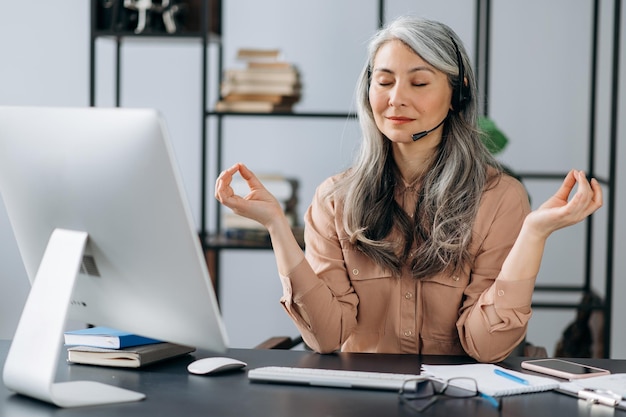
point(241, 228)
point(110, 347)
point(267, 84)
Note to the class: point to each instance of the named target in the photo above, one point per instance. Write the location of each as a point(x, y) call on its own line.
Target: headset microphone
point(417, 136)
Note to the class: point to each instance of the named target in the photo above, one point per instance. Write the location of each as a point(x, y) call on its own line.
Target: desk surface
point(172, 391)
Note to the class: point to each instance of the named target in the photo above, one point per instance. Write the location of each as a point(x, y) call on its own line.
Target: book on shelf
point(251, 75)
point(252, 106)
point(128, 357)
point(288, 89)
point(267, 98)
point(260, 235)
point(266, 65)
point(259, 54)
point(105, 337)
point(267, 84)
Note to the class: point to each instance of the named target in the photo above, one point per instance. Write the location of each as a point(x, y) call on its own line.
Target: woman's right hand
point(259, 204)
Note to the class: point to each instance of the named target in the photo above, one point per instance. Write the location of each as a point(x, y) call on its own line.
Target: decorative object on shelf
point(267, 84)
point(193, 19)
point(156, 16)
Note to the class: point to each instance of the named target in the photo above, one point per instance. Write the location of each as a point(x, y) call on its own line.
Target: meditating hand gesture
point(557, 212)
point(259, 204)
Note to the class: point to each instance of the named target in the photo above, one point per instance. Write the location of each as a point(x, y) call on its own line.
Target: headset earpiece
point(461, 91)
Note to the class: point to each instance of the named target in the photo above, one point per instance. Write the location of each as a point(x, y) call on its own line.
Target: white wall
point(538, 96)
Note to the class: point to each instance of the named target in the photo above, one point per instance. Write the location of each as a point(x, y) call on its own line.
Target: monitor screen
point(110, 173)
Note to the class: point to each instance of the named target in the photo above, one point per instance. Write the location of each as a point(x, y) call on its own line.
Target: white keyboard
point(330, 378)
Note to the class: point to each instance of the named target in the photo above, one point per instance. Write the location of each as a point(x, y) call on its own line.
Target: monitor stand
point(31, 364)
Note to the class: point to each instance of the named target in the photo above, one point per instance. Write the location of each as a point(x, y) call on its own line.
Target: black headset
point(461, 91)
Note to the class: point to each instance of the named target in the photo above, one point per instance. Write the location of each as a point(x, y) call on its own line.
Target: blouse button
point(408, 333)
point(355, 271)
point(455, 277)
point(408, 295)
point(500, 293)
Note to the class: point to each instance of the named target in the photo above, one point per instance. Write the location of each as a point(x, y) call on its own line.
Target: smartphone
point(563, 369)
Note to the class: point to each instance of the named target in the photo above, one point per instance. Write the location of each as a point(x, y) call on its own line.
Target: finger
point(566, 186)
point(581, 179)
point(594, 201)
point(251, 179)
point(222, 184)
point(588, 197)
point(228, 173)
point(597, 192)
point(583, 193)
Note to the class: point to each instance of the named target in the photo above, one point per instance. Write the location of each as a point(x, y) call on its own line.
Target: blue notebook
point(105, 337)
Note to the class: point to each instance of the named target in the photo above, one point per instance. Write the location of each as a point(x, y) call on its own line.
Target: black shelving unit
point(118, 35)
point(203, 33)
point(214, 243)
point(483, 36)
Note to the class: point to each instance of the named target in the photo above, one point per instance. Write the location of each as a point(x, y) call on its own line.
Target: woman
point(424, 245)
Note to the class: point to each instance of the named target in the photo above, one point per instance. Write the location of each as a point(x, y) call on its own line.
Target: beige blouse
point(340, 299)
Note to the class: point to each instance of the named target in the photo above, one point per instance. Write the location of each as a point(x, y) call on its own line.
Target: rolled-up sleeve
point(495, 313)
point(317, 294)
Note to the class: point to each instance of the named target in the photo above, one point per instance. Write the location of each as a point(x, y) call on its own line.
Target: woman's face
point(407, 94)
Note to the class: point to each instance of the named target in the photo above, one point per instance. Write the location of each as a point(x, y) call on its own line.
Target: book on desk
point(110, 347)
point(129, 357)
point(105, 337)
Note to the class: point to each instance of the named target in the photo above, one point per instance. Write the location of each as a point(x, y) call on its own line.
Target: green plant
point(493, 138)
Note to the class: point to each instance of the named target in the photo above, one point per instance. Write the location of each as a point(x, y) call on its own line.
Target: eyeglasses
point(419, 394)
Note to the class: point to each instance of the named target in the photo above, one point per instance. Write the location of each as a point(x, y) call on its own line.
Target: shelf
point(219, 242)
point(211, 37)
point(286, 114)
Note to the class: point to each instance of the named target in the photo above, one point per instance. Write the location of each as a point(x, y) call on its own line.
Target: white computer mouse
point(213, 365)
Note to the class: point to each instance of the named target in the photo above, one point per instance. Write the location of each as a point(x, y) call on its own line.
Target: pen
point(510, 376)
point(491, 400)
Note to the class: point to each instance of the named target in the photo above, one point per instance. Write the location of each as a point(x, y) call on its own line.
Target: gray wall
point(538, 95)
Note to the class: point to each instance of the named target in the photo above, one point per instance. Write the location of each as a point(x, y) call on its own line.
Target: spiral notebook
point(490, 378)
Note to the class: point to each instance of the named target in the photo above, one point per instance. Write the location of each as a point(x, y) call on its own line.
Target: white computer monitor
point(100, 216)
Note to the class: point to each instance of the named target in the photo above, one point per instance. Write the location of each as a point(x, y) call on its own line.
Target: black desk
point(171, 391)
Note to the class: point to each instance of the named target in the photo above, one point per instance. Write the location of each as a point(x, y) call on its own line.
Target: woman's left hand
point(557, 212)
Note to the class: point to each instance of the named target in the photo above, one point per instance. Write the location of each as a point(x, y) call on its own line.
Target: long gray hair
point(452, 186)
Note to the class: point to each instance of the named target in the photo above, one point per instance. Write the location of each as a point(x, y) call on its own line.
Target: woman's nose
point(398, 96)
